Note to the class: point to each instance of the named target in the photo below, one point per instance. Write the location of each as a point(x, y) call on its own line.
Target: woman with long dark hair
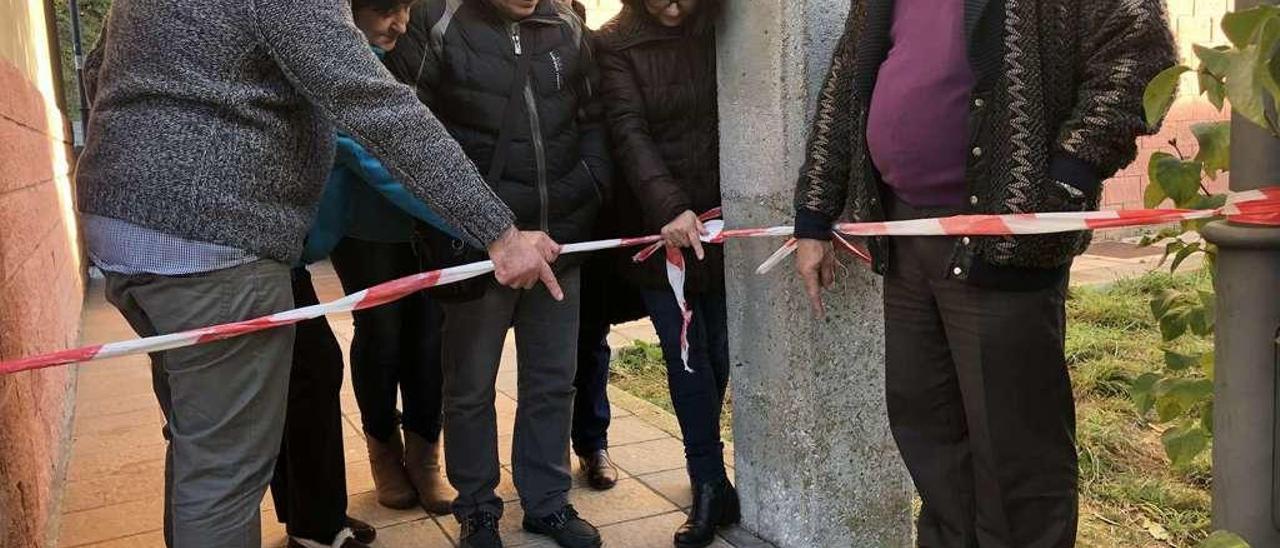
point(658, 73)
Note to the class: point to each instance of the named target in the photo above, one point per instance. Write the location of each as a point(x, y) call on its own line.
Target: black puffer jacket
point(462, 57)
point(659, 86)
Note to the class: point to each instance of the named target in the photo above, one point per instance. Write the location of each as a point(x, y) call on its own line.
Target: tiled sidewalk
point(114, 482)
point(114, 486)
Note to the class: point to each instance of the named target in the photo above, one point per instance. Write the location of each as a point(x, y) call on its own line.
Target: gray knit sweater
point(214, 121)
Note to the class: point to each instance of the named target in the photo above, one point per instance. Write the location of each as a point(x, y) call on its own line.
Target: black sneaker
point(480, 530)
point(345, 539)
point(362, 531)
point(566, 528)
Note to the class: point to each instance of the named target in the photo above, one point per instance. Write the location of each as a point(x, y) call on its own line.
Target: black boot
point(715, 505)
point(566, 528)
point(480, 530)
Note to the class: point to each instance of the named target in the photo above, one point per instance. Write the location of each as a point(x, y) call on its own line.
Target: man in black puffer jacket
point(512, 82)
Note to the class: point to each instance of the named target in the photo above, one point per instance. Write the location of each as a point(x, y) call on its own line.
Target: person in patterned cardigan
point(977, 106)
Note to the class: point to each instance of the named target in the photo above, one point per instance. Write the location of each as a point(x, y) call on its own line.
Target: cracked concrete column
point(816, 464)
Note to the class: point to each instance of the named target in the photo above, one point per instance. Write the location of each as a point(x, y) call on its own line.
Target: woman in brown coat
point(658, 71)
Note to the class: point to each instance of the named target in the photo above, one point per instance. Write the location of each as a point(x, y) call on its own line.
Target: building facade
point(41, 288)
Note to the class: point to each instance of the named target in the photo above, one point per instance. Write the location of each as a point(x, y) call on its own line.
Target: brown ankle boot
point(386, 460)
point(422, 462)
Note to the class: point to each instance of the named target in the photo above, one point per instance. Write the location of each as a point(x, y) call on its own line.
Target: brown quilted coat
point(659, 90)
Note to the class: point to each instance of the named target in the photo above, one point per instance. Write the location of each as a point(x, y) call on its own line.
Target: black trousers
point(396, 347)
point(591, 413)
point(309, 485)
point(979, 402)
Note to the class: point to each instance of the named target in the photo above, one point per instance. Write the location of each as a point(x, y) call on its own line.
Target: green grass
point(1130, 496)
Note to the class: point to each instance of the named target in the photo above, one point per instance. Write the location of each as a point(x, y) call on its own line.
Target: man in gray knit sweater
point(209, 140)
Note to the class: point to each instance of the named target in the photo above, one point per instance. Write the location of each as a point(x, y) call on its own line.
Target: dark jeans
point(591, 414)
point(396, 346)
point(310, 482)
point(698, 396)
point(979, 402)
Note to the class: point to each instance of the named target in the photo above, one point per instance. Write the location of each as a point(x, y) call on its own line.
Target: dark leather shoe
point(480, 530)
point(715, 505)
point(602, 475)
point(566, 528)
point(362, 531)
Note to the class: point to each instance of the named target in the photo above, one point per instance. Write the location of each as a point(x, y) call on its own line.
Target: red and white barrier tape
point(1255, 207)
point(1259, 207)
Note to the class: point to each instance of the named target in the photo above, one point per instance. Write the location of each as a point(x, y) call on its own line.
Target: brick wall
point(40, 281)
point(1193, 22)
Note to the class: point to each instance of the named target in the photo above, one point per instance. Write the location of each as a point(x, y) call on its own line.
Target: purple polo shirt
point(918, 127)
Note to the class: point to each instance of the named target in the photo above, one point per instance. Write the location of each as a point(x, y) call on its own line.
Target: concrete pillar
point(816, 465)
point(1246, 421)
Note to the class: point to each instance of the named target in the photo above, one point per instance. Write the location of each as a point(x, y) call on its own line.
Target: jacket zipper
point(535, 131)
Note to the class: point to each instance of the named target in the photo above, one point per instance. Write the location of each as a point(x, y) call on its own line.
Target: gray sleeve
point(327, 59)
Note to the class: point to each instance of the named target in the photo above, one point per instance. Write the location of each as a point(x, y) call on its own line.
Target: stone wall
point(40, 280)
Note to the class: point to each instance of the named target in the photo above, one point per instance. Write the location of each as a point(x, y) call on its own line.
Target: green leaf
point(1178, 362)
point(1247, 76)
point(1268, 36)
point(1208, 299)
point(1160, 93)
point(1201, 320)
point(1176, 397)
point(1179, 179)
point(1213, 89)
point(1188, 392)
point(1213, 60)
point(1173, 325)
point(1183, 254)
point(1272, 70)
point(1216, 201)
point(1153, 196)
point(1206, 364)
point(1215, 146)
point(1143, 393)
point(1241, 26)
point(1160, 236)
point(1224, 539)
point(1170, 249)
point(1163, 302)
point(1184, 443)
point(1206, 418)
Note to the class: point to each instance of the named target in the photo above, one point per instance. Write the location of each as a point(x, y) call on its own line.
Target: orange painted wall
point(41, 287)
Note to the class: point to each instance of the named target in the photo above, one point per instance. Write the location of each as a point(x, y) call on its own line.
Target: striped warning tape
point(1258, 207)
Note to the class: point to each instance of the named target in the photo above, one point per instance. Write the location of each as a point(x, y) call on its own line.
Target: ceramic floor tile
point(648, 457)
